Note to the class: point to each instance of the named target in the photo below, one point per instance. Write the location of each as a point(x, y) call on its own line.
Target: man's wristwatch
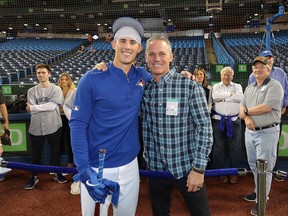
point(198, 170)
point(246, 111)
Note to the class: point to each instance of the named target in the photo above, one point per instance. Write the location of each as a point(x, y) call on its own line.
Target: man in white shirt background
point(226, 97)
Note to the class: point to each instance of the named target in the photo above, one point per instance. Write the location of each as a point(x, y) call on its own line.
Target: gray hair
point(226, 69)
point(158, 37)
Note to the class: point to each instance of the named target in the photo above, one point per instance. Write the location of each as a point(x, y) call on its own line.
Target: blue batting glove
point(95, 188)
point(112, 188)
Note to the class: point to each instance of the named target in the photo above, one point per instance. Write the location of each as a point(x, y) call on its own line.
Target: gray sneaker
point(278, 178)
point(254, 210)
point(60, 178)
point(31, 183)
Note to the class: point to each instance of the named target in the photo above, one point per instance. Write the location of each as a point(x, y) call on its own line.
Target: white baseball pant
point(128, 178)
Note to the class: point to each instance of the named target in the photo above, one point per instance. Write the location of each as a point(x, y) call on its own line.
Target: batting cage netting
point(72, 36)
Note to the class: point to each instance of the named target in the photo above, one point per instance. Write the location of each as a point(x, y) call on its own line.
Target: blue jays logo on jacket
point(141, 83)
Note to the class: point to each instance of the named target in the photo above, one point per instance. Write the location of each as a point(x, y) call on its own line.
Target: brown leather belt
point(267, 126)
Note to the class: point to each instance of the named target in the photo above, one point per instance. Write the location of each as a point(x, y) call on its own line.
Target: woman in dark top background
point(201, 78)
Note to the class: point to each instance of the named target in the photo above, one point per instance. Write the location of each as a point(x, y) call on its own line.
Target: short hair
point(267, 66)
point(38, 66)
point(158, 37)
point(226, 69)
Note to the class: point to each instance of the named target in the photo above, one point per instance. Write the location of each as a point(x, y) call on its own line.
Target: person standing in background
point(261, 111)
point(278, 74)
point(226, 97)
point(90, 40)
point(107, 39)
point(3, 111)
point(43, 102)
point(67, 109)
point(201, 78)
point(67, 86)
point(4, 114)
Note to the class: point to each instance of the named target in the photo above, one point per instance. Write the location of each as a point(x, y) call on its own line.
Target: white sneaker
point(75, 188)
point(3, 171)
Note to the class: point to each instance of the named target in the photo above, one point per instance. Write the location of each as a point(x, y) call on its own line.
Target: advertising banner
point(18, 138)
point(283, 142)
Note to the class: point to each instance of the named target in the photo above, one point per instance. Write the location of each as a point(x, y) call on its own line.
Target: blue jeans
point(262, 144)
point(221, 140)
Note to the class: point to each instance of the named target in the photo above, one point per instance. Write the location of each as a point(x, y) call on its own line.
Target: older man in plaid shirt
point(177, 132)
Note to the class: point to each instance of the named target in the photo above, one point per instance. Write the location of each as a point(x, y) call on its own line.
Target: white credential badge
point(172, 107)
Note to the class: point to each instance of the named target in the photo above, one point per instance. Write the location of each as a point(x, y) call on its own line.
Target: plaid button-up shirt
point(178, 142)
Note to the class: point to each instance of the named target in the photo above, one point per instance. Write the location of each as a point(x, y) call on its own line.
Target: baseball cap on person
point(261, 59)
point(266, 53)
point(127, 27)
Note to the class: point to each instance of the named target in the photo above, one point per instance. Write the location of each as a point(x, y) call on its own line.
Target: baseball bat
point(102, 154)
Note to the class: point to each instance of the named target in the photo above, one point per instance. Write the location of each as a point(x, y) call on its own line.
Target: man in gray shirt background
point(261, 111)
point(43, 102)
